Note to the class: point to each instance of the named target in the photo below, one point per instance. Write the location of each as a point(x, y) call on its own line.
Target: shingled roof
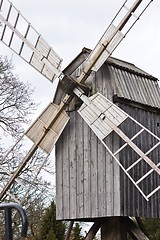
point(134, 84)
point(130, 82)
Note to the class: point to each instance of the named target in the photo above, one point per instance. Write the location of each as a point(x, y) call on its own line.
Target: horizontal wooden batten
point(128, 102)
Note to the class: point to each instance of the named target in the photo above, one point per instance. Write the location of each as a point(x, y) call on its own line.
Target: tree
point(51, 229)
point(16, 103)
point(77, 232)
point(152, 227)
point(29, 189)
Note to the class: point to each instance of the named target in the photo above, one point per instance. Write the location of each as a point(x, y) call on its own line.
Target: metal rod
point(8, 224)
point(7, 207)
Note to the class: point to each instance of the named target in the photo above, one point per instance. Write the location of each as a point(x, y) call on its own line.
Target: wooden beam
point(114, 228)
point(68, 234)
point(94, 229)
point(141, 226)
point(134, 231)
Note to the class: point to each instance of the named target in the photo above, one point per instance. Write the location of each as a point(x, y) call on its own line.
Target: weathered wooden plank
point(109, 178)
point(59, 180)
point(87, 169)
point(73, 166)
point(116, 179)
point(94, 176)
point(66, 175)
point(101, 183)
point(80, 165)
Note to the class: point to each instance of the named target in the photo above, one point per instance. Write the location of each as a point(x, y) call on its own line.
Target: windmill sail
point(18, 34)
point(125, 19)
point(36, 131)
point(104, 117)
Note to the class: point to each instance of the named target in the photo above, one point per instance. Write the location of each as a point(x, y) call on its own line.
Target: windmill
point(102, 116)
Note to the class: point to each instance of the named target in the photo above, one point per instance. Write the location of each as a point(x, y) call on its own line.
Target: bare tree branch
point(16, 104)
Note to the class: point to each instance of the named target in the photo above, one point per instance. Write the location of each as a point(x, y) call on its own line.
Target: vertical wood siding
point(132, 203)
point(89, 183)
point(88, 180)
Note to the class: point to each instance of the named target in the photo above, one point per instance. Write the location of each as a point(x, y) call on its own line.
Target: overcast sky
point(70, 25)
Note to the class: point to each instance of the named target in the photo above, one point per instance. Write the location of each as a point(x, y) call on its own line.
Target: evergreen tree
point(152, 227)
point(51, 229)
point(77, 232)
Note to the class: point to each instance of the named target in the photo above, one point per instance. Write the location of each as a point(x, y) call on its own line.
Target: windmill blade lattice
point(44, 122)
point(18, 34)
point(125, 19)
point(104, 117)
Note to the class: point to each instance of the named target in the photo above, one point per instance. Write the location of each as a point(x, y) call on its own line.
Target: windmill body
point(90, 184)
point(107, 159)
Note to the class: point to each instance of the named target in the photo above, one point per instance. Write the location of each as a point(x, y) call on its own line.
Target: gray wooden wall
point(87, 179)
point(89, 183)
point(132, 202)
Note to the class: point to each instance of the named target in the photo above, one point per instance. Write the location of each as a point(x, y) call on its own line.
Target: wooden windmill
point(105, 167)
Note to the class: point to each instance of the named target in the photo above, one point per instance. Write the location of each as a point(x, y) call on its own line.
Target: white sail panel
point(98, 122)
point(43, 127)
point(18, 34)
point(104, 117)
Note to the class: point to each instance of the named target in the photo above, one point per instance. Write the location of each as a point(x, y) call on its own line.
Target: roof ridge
point(122, 64)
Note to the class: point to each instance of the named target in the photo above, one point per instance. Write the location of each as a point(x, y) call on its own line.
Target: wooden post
point(114, 229)
point(94, 229)
point(134, 230)
point(68, 234)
